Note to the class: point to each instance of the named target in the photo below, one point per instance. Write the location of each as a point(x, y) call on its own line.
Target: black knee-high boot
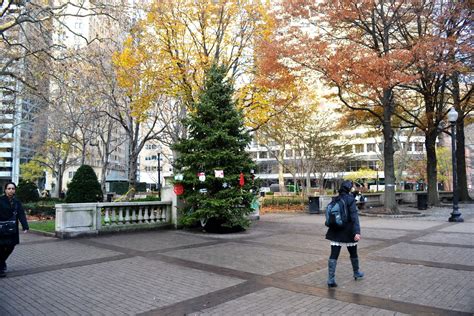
point(355, 267)
point(5, 252)
point(332, 263)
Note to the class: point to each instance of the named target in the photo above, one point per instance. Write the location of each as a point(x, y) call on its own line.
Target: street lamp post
point(60, 178)
point(456, 214)
point(158, 184)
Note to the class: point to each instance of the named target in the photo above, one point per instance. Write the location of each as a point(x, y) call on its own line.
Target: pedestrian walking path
point(278, 267)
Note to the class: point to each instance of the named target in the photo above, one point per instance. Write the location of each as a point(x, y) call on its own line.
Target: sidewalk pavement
point(414, 266)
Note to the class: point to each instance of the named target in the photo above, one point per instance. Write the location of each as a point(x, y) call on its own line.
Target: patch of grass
point(47, 226)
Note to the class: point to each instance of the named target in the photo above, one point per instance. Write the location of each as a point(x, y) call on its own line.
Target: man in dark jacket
point(348, 235)
point(10, 209)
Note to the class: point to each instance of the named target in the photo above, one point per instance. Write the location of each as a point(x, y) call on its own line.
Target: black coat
point(346, 234)
point(6, 213)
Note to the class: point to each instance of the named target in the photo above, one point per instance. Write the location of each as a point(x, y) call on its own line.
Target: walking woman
point(348, 235)
point(10, 209)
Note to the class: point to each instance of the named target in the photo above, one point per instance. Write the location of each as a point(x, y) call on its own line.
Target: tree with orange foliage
point(353, 46)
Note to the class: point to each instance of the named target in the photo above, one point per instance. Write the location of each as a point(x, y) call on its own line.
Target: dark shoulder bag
point(9, 227)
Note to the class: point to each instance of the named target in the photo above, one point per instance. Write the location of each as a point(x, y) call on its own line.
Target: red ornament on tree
point(178, 189)
point(241, 180)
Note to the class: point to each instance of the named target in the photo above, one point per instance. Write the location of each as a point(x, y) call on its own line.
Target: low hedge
point(284, 200)
point(41, 209)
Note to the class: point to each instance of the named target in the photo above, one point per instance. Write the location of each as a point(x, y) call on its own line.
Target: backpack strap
point(345, 209)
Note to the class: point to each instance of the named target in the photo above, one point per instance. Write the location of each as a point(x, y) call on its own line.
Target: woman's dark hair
point(7, 184)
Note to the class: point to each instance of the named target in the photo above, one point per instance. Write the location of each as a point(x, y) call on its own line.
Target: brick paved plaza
point(421, 265)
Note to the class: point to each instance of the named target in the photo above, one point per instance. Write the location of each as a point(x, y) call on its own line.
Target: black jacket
point(346, 234)
point(6, 213)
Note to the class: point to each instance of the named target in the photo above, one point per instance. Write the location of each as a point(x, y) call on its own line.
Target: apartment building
point(23, 94)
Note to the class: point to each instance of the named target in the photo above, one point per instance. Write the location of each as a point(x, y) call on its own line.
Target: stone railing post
point(167, 194)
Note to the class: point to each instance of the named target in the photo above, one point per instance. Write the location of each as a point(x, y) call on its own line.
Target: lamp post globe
point(456, 214)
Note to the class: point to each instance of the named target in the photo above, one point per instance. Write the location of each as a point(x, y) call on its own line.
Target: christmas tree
point(216, 168)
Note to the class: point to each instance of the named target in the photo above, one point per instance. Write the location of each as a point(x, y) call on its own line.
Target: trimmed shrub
point(27, 192)
point(84, 187)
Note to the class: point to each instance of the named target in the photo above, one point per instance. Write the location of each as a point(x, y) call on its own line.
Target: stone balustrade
point(82, 219)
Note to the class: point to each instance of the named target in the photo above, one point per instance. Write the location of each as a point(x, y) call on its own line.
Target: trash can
point(313, 205)
point(422, 201)
point(255, 205)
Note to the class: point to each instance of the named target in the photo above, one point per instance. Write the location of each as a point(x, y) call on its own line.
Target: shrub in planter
point(84, 187)
point(27, 192)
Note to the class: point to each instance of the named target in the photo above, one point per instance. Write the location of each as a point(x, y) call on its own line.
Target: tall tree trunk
point(403, 157)
point(308, 181)
point(431, 166)
point(103, 177)
point(460, 142)
point(281, 171)
point(390, 202)
point(133, 161)
point(132, 176)
point(461, 161)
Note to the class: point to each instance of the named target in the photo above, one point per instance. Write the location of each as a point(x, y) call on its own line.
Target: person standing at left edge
point(10, 208)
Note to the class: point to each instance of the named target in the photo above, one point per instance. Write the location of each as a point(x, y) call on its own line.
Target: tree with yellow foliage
point(178, 41)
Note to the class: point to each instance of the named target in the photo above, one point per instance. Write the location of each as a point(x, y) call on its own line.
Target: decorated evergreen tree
point(84, 187)
point(216, 168)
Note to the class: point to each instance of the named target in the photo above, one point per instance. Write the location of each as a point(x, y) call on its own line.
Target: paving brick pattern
point(150, 242)
point(452, 255)
point(395, 223)
point(248, 258)
point(129, 286)
point(278, 267)
point(437, 287)
point(382, 233)
point(460, 228)
point(29, 237)
point(306, 242)
point(272, 301)
point(447, 238)
point(36, 255)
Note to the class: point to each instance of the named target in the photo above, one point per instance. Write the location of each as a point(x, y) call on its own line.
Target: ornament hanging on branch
point(202, 176)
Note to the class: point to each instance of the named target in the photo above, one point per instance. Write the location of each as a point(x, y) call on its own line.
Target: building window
point(419, 147)
point(410, 146)
point(263, 154)
point(71, 174)
point(264, 168)
point(373, 165)
point(289, 153)
point(371, 147)
point(150, 146)
point(359, 148)
point(356, 165)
